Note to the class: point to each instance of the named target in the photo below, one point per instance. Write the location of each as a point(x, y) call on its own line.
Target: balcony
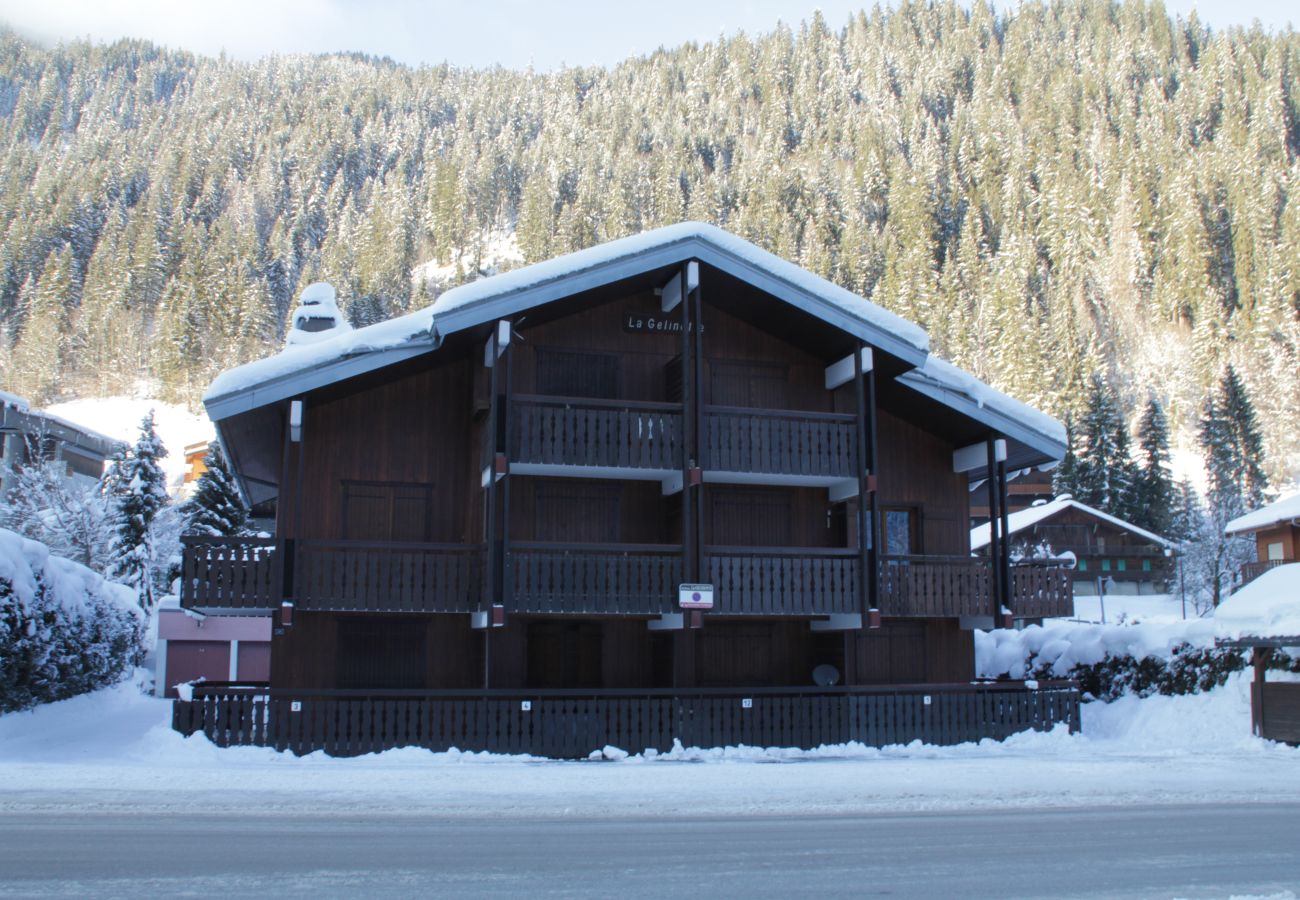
point(1252, 570)
point(625, 438)
point(243, 576)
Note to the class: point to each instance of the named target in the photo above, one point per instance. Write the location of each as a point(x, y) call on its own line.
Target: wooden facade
point(516, 510)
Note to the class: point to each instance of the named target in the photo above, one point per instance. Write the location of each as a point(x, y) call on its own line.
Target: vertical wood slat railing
point(930, 586)
point(1041, 591)
point(1252, 570)
point(778, 442)
point(573, 724)
point(361, 576)
point(573, 431)
point(782, 581)
point(239, 573)
point(635, 579)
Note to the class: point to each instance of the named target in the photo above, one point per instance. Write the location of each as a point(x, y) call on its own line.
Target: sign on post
point(695, 596)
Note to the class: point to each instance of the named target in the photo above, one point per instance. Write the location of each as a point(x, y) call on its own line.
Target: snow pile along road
point(113, 751)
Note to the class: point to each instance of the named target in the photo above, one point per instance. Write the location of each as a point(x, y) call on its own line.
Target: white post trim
point(160, 669)
point(841, 372)
point(976, 456)
point(234, 661)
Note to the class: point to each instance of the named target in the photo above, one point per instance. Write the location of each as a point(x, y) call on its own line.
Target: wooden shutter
point(750, 517)
point(762, 385)
point(387, 511)
point(575, 512)
point(381, 653)
point(578, 373)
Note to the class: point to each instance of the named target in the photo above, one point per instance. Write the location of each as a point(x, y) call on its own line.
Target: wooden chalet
point(670, 487)
point(1276, 529)
point(1108, 554)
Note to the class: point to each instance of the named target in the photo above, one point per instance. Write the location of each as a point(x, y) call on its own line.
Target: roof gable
point(1028, 518)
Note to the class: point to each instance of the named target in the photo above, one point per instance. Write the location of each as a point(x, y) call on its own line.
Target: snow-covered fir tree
point(215, 509)
point(1104, 474)
point(1234, 449)
point(1154, 492)
point(68, 517)
point(137, 492)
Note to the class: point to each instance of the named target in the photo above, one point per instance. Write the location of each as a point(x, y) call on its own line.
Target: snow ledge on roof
point(1026, 518)
point(1283, 510)
point(1268, 607)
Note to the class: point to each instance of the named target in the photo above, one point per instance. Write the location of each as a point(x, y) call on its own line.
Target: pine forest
point(1065, 194)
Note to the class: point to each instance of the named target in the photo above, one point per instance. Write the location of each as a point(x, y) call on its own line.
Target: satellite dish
point(826, 675)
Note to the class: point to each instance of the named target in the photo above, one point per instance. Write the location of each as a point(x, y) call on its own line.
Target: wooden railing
point(1252, 570)
point(360, 576)
point(575, 431)
point(935, 586)
point(782, 581)
point(1041, 591)
point(243, 574)
point(239, 573)
point(778, 442)
point(572, 723)
point(633, 579)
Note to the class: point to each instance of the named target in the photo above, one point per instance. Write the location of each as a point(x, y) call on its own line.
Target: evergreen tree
point(1230, 439)
point(1154, 494)
point(215, 509)
point(1065, 480)
point(137, 492)
point(1105, 473)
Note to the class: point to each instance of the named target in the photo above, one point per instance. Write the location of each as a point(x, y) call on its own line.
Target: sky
point(510, 33)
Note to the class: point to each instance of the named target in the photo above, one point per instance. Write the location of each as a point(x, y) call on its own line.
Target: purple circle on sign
point(695, 596)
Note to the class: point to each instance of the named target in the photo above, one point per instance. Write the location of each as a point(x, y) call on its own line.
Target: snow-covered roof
point(1268, 607)
point(1027, 518)
point(73, 434)
point(957, 388)
point(13, 400)
point(504, 295)
point(1284, 510)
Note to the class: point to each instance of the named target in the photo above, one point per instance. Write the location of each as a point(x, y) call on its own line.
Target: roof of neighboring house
point(1027, 518)
point(1267, 608)
point(17, 416)
point(1284, 510)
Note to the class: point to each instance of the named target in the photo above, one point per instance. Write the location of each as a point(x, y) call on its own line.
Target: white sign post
point(695, 596)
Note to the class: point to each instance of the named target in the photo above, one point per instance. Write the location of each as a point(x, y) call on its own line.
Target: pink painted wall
point(175, 625)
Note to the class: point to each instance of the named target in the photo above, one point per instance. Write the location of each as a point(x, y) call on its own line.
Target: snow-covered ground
point(1135, 608)
point(119, 417)
point(113, 751)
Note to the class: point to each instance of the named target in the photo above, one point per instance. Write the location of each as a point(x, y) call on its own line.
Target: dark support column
point(995, 539)
point(875, 557)
point(507, 430)
point(689, 437)
point(1005, 525)
point(1260, 659)
point(697, 359)
point(488, 463)
point(865, 545)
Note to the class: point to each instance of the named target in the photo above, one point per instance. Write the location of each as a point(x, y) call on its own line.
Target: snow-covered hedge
point(1110, 661)
point(64, 630)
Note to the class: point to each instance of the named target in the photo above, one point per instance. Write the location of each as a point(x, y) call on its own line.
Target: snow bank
point(1061, 645)
point(1267, 607)
point(64, 629)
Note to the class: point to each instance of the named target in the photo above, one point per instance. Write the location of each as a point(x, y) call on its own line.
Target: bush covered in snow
point(64, 630)
point(1111, 661)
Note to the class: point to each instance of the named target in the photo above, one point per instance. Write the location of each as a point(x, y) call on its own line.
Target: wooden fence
point(573, 724)
point(928, 586)
point(631, 579)
point(240, 573)
point(366, 576)
point(1041, 591)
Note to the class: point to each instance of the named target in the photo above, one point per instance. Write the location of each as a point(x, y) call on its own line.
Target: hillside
point(1052, 192)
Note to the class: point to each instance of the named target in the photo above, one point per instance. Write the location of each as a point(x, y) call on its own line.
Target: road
point(1206, 850)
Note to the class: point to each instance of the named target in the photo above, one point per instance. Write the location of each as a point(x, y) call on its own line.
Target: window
point(1123, 565)
point(387, 511)
point(1105, 565)
point(901, 527)
point(577, 373)
point(1146, 565)
point(1083, 564)
point(1275, 550)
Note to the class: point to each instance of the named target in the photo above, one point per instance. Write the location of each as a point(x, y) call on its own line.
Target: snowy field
point(1141, 608)
point(113, 752)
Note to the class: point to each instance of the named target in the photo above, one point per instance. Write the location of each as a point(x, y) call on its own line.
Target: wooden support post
point(864, 544)
point(1259, 658)
point(995, 541)
point(875, 557)
point(697, 383)
point(488, 462)
point(1005, 527)
point(506, 363)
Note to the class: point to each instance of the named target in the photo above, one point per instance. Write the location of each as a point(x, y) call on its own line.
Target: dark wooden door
point(564, 655)
point(749, 517)
point(576, 512)
point(734, 383)
point(381, 653)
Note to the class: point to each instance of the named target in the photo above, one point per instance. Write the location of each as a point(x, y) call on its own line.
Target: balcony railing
point(1252, 570)
point(631, 579)
point(927, 586)
point(622, 434)
point(781, 581)
point(778, 442)
point(243, 575)
point(359, 576)
point(237, 574)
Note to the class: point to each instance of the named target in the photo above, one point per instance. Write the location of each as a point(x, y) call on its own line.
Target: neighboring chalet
point(1276, 528)
point(1127, 559)
point(670, 487)
point(28, 434)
